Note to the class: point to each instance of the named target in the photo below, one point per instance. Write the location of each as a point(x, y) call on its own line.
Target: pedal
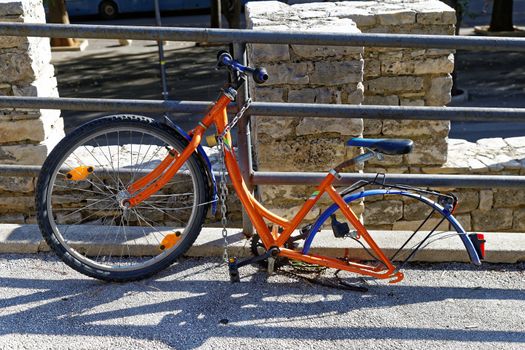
point(233, 270)
point(271, 265)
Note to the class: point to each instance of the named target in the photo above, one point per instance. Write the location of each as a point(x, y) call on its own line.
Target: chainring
point(257, 248)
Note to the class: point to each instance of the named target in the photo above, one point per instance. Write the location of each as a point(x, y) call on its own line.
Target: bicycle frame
point(144, 187)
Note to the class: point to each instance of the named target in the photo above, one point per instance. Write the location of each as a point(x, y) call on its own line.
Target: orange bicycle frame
point(146, 186)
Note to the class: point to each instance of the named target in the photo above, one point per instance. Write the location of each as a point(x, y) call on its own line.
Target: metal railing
point(241, 37)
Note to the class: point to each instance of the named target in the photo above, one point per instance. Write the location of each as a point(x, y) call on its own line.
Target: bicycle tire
point(124, 240)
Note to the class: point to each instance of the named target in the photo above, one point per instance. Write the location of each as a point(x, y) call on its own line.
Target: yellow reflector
point(170, 240)
point(79, 173)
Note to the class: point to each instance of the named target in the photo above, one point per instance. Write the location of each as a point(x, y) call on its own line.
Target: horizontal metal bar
point(387, 112)
point(312, 178)
point(106, 105)
point(17, 170)
point(272, 109)
point(258, 36)
point(433, 180)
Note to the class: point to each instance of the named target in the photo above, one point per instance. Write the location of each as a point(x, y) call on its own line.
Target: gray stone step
point(500, 247)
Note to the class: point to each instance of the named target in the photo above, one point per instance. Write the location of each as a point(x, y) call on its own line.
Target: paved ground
point(44, 304)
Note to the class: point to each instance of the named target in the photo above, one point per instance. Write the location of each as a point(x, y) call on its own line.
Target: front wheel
point(83, 188)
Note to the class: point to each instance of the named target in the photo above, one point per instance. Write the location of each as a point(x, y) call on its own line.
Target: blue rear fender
point(214, 197)
point(474, 257)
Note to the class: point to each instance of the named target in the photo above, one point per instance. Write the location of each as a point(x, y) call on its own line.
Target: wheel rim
point(98, 231)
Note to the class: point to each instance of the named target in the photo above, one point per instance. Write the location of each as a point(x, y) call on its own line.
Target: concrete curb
point(500, 247)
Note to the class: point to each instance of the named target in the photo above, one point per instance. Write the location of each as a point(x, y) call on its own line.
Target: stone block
point(266, 10)
point(431, 17)
point(361, 17)
point(354, 97)
point(414, 128)
point(439, 92)
point(317, 95)
point(498, 219)
point(383, 212)
point(16, 184)
point(260, 53)
point(16, 67)
point(276, 127)
point(372, 127)
point(465, 221)
point(343, 26)
point(428, 151)
point(390, 100)
point(32, 130)
point(336, 73)
point(486, 199)
point(411, 102)
point(431, 224)
point(290, 73)
point(415, 211)
point(509, 197)
point(16, 203)
point(396, 17)
point(24, 154)
point(518, 224)
point(268, 94)
point(468, 200)
point(442, 65)
point(301, 153)
point(395, 84)
point(344, 127)
point(372, 67)
point(14, 218)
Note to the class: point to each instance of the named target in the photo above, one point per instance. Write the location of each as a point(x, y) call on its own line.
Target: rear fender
point(469, 246)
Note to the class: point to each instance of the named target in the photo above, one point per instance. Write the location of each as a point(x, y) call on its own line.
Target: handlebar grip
point(260, 75)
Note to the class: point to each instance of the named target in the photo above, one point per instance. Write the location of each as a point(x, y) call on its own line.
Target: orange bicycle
point(122, 197)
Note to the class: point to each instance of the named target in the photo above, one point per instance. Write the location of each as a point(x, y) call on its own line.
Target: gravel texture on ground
point(46, 305)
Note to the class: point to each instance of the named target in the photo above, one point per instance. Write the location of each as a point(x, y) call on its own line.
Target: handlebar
point(224, 59)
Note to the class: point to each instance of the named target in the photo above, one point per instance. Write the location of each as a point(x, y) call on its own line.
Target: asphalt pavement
point(192, 305)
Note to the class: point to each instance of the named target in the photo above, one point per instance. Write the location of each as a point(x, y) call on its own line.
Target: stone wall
point(26, 135)
point(401, 77)
point(327, 75)
point(303, 74)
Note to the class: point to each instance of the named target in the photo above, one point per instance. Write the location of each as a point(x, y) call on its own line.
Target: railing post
point(244, 144)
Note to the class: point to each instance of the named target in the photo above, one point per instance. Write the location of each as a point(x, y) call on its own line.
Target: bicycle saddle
point(385, 146)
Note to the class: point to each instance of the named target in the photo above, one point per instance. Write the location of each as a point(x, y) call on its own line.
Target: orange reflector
point(79, 173)
point(170, 240)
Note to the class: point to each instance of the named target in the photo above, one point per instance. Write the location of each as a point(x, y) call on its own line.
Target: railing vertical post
point(244, 144)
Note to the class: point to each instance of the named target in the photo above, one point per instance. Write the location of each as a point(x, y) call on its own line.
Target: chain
point(222, 196)
point(223, 187)
point(235, 119)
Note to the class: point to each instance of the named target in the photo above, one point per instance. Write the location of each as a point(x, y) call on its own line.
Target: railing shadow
point(188, 309)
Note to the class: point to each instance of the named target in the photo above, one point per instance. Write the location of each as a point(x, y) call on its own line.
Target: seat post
point(358, 159)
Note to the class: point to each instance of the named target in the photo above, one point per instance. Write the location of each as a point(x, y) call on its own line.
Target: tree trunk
point(216, 20)
point(501, 20)
point(232, 11)
point(58, 14)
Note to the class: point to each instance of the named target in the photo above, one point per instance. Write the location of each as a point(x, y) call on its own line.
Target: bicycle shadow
point(187, 311)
